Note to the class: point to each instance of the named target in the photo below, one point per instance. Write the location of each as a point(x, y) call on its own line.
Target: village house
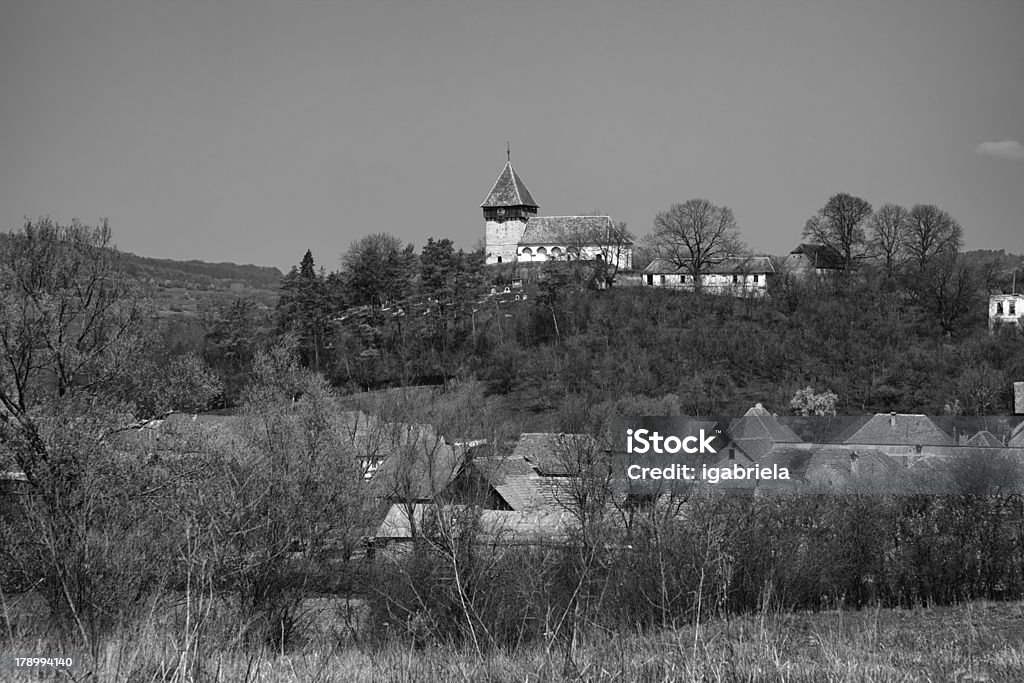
point(812, 259)
point(1005, 309)
point(514, 232)
point(735, 276)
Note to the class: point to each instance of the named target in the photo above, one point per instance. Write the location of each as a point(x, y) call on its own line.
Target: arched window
point(542, 254)
point(556, 252)
point(527, 254)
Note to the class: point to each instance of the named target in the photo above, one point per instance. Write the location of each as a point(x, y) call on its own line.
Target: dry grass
point(973, 642)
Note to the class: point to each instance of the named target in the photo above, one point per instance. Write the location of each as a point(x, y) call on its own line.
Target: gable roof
point(732, 265)
point(834, 466)
point(551, 453)
point(509, 190)
point(900, 430)
point(984, 439)
point(1017, 436)
point(820, 256)
point(578, 230)
point(415, 462)
point(758, 423)
point(517, 482)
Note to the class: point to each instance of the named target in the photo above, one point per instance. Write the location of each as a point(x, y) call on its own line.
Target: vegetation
point(175, 551)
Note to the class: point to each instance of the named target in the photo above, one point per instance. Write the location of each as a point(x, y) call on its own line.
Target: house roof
point(820, 256)
point(509, 190)
point(758, 423)
point(1017, 437)
point(416, 462)
point(733, 265)
point(570, 230)
point(517, 482)
point(899, 430)
point(552, 454)
point(984, 439)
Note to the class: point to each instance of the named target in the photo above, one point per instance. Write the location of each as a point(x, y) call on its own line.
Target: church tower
point(507, 208)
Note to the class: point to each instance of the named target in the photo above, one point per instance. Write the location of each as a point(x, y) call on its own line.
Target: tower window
point(499, 259)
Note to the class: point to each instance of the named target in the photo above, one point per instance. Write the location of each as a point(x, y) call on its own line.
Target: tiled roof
point(1017, 436)
point(416, 462)
point(517, 482)
point(550, 453)
point(762, 425)
point(984, 439)
point(509, 190)
point(834, 466)
point(820, 256)
point(901, 430)
point(570, 230)
point(734, 265)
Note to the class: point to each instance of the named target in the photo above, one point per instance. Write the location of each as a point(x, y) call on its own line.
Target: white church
point(514, 232)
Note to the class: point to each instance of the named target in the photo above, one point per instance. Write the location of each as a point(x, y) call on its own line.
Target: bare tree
point(695, 234)
point(599, 253)
point(948, 289)
point(889, 226)
point(840, 225)
point(72, 335)
point(931, 231)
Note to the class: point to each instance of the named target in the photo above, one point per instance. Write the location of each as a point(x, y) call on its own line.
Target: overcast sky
point(250, 130)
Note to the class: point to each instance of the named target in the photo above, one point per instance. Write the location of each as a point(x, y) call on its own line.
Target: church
point(515, 233)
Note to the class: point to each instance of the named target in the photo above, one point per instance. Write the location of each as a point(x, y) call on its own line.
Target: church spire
point(509, 190)
point(508, 152)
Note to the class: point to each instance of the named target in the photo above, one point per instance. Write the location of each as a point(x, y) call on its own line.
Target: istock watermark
point(759, 452)
point(659, 454)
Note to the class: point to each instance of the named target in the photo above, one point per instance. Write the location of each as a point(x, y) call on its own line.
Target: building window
point(650, 280)
point(499, 259)
point(735, 279)
point(661, 279)
point(755, 279)
point(1013, 308)
point(999, 308)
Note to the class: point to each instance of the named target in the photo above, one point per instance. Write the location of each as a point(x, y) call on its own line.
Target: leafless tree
point(931, 231)
point(948, 289)
point(694, 234)
point(889, 226)
point(72, 335)
point(840, 225)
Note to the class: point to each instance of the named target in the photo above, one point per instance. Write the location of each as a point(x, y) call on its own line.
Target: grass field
point(971, 642)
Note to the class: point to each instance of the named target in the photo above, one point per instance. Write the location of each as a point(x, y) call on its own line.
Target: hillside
point(195, 274)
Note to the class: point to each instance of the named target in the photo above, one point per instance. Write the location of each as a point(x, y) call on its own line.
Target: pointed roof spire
point(509, 189)
point(508, 154)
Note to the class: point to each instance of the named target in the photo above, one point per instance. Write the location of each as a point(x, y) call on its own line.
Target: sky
point(250, 130)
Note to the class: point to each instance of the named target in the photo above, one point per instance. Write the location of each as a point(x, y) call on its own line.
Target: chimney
point(892, 419)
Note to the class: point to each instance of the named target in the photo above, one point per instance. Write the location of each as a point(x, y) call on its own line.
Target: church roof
point(509, 190)
point(578, 230)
